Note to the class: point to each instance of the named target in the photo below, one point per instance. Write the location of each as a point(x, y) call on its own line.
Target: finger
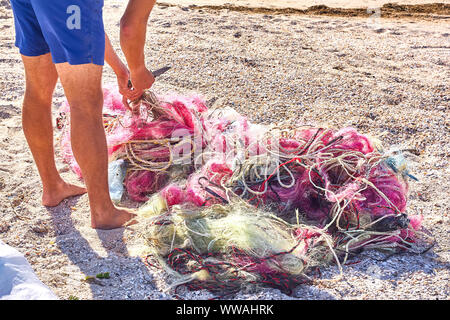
point(134, 95)
point(125, 103)
point(141, 86)
point(130, 94)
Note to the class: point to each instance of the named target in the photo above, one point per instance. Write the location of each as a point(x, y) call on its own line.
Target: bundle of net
point(339, 180)
point(225, 248)
point(142, 144)
point(190, 164)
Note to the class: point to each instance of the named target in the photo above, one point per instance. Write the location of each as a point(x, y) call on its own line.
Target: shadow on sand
point(129, 276)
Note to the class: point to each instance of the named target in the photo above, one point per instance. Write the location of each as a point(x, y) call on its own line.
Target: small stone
point(4, 227)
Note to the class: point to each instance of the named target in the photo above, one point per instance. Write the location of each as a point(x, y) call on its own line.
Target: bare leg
point(82, 86)
point(41, 77)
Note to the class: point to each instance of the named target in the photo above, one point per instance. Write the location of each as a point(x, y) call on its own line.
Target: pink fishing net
point(191, 154)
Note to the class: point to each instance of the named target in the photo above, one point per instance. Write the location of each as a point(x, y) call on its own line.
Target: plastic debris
point(116, 176)
point(18, 280)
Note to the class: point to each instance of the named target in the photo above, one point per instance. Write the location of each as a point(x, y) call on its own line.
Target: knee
point(89, 106)
point(40, 77)
point(37, 96)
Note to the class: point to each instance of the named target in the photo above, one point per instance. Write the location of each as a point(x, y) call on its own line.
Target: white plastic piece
point(18, 280)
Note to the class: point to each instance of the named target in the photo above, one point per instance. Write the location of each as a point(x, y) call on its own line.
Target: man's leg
point(41, 77)
point(82, 86)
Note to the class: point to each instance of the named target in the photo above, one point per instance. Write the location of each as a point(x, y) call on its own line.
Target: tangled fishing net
point(229, 203)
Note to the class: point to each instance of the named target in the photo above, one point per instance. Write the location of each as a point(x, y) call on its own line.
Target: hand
point(128, 93)
point(141, 78)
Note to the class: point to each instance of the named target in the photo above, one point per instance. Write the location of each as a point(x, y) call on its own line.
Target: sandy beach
point(386, 77)
point(299, 4)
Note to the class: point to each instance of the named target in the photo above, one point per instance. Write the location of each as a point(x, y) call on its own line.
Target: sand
point(386, 77)
point(304, 4)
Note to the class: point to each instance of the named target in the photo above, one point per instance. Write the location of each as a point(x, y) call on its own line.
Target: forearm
point(121, 71)
point(133, 28)
point(113, 59)
point(133, 47)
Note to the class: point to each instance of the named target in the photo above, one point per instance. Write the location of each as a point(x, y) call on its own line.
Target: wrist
point(121, 71)
point(138, 68)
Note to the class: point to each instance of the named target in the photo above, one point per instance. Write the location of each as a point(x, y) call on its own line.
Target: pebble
point(396, 84)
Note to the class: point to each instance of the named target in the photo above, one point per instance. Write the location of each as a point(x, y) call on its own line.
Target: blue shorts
point(71, 30)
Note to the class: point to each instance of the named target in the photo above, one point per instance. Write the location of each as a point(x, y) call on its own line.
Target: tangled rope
point(227, 200)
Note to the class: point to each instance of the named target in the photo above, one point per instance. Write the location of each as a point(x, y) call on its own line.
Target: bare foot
point(114, 218)
point(53, 197)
